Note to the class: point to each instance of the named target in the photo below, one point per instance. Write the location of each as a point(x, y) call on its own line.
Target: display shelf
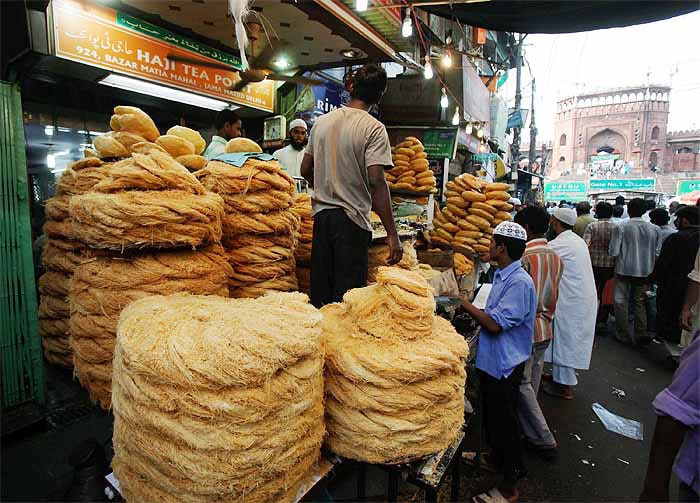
point(427, 473)
point(410, 193)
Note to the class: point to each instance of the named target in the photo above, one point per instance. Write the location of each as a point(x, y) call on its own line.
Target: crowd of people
point(561, 272)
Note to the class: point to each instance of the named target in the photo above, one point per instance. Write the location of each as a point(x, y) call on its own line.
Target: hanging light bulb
point(428, 69)
point(480, 132)
point(361, 5)
point(455, 118)
point(447, 59)
point(407, 27)
point(443, 100)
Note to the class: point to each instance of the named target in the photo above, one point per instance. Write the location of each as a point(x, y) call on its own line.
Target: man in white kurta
point(575, 315)
point(290, 157)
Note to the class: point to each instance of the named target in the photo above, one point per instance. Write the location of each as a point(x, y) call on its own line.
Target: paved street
point(605, 477)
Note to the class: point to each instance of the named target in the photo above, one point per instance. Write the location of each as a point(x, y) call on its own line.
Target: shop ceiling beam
point(348, 17)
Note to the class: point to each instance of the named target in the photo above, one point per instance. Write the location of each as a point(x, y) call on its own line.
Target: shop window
point(562, 140)
point(561, 159)
point(655, 133)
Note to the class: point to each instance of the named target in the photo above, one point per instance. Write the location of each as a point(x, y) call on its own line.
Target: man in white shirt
point(634, 245)
point(228, 126)
point(290, 157)
point(576, 308)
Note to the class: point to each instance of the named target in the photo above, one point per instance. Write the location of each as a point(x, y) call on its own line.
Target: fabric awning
point(537, 16)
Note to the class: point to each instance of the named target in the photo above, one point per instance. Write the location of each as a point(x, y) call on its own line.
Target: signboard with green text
point(632, 184)
point(569, 191)
point(439, 143)
point(687, 186)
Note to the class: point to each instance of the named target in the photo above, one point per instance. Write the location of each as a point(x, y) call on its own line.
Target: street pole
point(544, 159)
point(515, 148)
point(533, 129)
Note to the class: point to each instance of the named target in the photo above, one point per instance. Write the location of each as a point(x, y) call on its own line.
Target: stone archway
point(607, 139)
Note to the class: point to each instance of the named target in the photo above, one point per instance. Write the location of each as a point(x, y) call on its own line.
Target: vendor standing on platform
point(290, 157)
point(344, 163)
point(228, 126)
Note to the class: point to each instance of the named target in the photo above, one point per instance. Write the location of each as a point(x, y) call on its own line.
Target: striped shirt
point(545, 268)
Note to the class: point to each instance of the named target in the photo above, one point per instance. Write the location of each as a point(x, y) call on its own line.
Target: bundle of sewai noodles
point(217, 399)
point(147, 201)
point(259, 226)
point(152, 229)
point(302, 207)
point(378, 256)
point(395, 372)
point(305, 237)
point(60, 257)
point(103, 286)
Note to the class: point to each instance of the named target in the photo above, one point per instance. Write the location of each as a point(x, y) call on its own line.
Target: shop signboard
point(440, 143)
point(569, 191)
point(630, 185)
point(98, 36)
point(485, 157)
point(687, 186)
point(314, 101)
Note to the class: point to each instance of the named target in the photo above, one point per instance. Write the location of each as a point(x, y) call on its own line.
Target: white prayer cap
point(297, 123)
point(515, 201)
point(565, 215)
point(510, 230)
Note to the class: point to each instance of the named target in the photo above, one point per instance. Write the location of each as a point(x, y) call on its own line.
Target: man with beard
point(290, 157)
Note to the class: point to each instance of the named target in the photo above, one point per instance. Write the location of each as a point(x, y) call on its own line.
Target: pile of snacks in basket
point(474, 208)
point(411, 170)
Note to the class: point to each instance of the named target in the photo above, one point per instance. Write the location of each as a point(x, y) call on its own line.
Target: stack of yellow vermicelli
point(259, 224)
point(378, 255)
point(157, 230)
point(395, 372)
point(217, 399)
point(463, 265)
point(60, 257)
point(302, 252)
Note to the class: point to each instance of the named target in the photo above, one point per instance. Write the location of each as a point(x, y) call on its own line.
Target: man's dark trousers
point(338, 256)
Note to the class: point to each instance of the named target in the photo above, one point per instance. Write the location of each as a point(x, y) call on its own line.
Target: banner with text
point(687, 186)
point(634, 185)
point(568, 191)
point(99, 36)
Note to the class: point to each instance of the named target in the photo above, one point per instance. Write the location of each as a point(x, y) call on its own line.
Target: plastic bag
point(617, 424)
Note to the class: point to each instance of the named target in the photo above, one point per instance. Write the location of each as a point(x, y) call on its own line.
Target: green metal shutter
point(20, 346)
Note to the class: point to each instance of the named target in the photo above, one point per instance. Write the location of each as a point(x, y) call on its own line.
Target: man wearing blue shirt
point(505, 343)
